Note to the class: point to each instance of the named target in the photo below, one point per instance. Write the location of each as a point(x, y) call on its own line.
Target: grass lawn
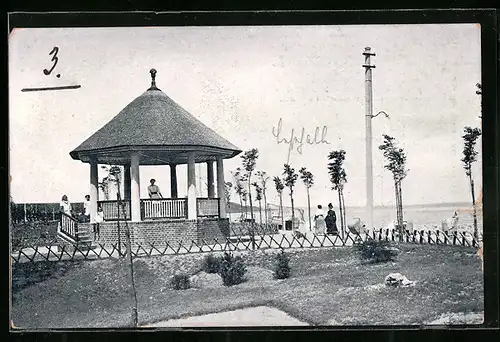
point(327, 286)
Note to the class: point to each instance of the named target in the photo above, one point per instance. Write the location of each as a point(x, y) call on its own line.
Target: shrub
point(376, 251)
point(282, 268)
point(211, 264)
point(180, 282)
point(232, 270)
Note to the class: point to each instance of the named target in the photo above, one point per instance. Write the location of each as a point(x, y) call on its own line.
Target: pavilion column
point(173, 181)
point(221, 187)
point(191, 187)
point(135, 194)
point(210, 179)
point(94, 193)
point(126, 182)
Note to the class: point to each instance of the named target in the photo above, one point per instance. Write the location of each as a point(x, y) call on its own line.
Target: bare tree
point(227, 193)
point(308, 179)
point(258, 197)
point(338, 178)
point(239, 188)
point(249, 159)
point(396, 163)
point(115, 171)
point(470, 137)
point(263, 178)
point(290, 177)
point(278, 184)
point(244, 195)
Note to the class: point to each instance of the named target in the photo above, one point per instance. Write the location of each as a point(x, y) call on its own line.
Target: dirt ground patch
point(254, 316)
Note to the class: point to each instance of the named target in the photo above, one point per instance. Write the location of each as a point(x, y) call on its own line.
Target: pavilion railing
point(163, 208)
point(208, 207)
point(68, 227)
point(110, 210)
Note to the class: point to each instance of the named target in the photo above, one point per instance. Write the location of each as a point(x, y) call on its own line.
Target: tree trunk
point(474, 213)
point(399, 216)
point(246, 208)
point(309, 208)
point(293, 211)
point(396, 194)
point(130, 273)
point(260, 212)
point(340, 214)
point(401, 208)
point(281, 215)
point(118, 226)
point(241, 206)
point(251, 211)
point(265, 207)
point(133, 293)
point(343, 214)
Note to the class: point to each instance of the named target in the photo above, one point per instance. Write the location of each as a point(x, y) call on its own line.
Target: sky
point(241, 81)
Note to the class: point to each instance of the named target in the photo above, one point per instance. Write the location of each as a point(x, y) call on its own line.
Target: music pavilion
point(155, 130)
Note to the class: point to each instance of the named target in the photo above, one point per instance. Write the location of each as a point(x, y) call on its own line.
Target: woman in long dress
point(65, 206)
point(319, 219)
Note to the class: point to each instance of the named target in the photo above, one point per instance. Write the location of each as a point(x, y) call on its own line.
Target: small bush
point(282, 268)
point(232, 270)
point(374, 251)
point(211, 264)
point(180, 282)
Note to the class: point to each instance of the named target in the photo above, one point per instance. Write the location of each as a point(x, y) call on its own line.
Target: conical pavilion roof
point(159, 128)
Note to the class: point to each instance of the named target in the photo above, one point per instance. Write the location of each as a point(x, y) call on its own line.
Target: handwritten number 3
point(54, 59)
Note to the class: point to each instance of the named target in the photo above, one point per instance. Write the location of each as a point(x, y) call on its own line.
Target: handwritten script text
point(297, 142)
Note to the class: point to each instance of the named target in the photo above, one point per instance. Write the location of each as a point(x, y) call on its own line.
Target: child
point(86, 209)
point(99, 218)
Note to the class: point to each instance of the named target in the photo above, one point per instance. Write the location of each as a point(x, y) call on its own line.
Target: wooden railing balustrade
point(68, 226)
point(110, 210)
point(208, 207)
point(163, 208)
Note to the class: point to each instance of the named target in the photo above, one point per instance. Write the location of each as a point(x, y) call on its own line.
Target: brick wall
point(171, 231)
point(208, 229)
point(245, 228)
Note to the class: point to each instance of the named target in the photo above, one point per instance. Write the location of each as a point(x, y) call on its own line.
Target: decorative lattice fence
point(54, 250)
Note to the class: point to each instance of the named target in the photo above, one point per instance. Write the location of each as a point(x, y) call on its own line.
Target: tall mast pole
point(368, 123)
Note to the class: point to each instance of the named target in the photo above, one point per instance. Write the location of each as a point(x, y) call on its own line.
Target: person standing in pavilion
point(154, 190)
point(154, 193)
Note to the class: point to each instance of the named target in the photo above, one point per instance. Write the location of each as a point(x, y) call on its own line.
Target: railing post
point(421, 240)
point(143, 215)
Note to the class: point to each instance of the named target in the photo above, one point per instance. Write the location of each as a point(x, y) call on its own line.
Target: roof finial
point(153, 83)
